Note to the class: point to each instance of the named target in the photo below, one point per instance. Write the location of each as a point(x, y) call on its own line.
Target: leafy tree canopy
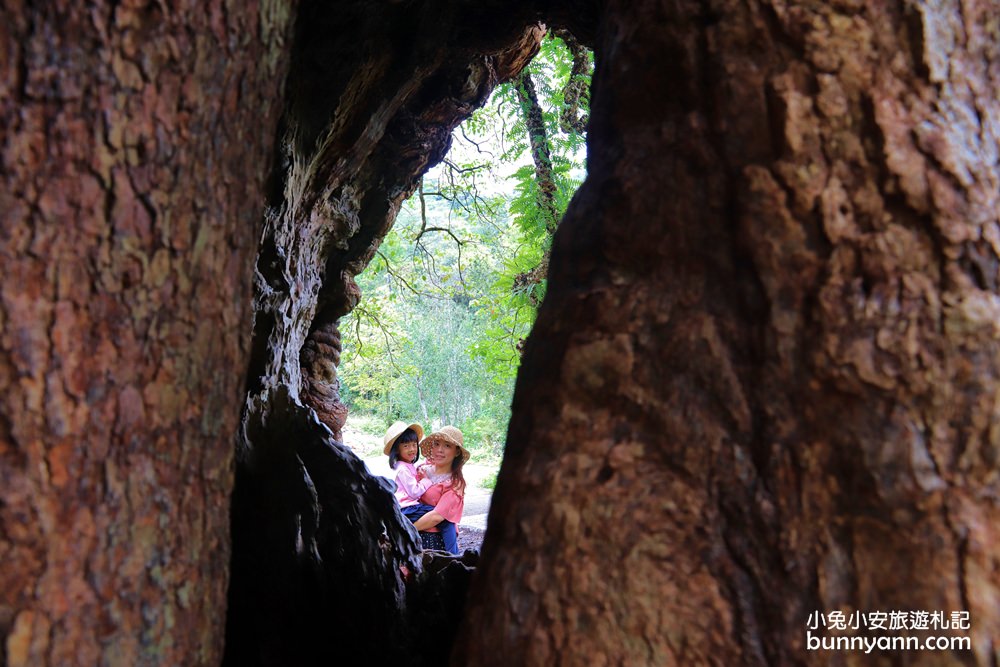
point(454, 288)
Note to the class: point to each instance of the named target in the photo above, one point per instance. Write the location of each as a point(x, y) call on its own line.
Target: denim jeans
point(447, 529)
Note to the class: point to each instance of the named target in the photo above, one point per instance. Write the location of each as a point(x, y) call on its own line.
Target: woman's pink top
point(446, 501)
point(408, 489)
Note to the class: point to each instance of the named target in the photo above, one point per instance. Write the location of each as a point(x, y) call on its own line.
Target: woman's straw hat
point(448, 434)
point(396, 430)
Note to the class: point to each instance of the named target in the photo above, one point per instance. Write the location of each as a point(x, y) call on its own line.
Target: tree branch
point(576, 93)
point(399, 278)
point(541, 154)
point(461, 129)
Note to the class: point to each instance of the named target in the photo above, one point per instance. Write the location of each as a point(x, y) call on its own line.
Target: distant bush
point(489, 482)
point(484, 435)
point(370, 424)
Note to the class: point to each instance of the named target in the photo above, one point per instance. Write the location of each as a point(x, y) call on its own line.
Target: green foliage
point(490, 481)
point(436, 335)
point(420, 346)
point(370, 425)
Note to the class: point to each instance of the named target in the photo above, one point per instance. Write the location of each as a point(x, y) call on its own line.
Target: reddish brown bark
point(133, 143)
point(764, 378)
point(134, 149)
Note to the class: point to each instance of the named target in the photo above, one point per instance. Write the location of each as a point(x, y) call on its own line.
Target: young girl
point(401, 446)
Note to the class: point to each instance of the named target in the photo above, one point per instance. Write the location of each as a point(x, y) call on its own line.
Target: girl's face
point(408, 451)
point(442, 453)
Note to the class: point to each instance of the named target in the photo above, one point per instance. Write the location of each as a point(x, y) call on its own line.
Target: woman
point(446, 455)
point(402, 447)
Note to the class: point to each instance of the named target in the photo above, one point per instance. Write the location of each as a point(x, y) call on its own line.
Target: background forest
point(453, 291)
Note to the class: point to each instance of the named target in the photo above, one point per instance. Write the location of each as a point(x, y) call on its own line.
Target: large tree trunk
point(764, 380)
point(134, 148)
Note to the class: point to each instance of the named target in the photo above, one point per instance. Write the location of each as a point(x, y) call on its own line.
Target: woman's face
point(442, 453)
point(408, 451)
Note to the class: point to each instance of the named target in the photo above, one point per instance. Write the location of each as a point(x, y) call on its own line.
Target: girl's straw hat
point(448, 434)
point(396, 430)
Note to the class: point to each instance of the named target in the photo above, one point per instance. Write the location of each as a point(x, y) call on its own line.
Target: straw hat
point(396, 430)
point(448, 434)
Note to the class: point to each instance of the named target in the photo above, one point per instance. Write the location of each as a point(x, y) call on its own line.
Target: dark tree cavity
point(763, 381)
point(320, 549)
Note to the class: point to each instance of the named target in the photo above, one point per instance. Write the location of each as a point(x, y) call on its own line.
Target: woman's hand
point(428, 520)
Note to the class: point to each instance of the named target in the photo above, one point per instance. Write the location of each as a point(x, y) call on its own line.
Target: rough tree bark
point(764, 379)
point(134, 145)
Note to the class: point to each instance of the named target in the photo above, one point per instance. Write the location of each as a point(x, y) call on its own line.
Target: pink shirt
point(408, 489)
point(446, 501)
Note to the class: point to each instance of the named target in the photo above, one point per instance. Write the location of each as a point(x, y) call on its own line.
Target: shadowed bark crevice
point(318, 548)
